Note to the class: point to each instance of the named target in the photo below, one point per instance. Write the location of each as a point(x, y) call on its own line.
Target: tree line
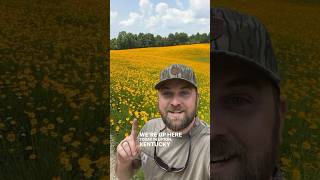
point(127, 40)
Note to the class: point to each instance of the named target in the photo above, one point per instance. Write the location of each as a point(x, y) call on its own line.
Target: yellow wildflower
point(59, 120)
point(44, 130)
point(84, 163)
point(306, 145)
point(56, 178)
point(45, 120)
point(32, 156)
point(101, 129)
point(75, 144)
point(33, 121)
point(66, 138)
point(93, 139)
point(88, 173)
point(53, 134)
point(50, 126)
point(2, 126)
point(285, 162)
point(296, 174)
point(11, 137)
point(33, 131)
point(74, 154)
point(102, 162)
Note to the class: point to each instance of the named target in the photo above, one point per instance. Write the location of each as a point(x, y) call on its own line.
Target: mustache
point(222, 146)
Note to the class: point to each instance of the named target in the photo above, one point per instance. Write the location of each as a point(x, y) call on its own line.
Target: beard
point(256, 167)
point(175, 123)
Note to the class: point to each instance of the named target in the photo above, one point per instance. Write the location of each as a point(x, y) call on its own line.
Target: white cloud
point(176, 17)
point(113, 16)
point(201, 8)
point(152, 21)
point(133, 18)
point(179, 4)
point(161, 8)
point(146, 7)
point(199, 4)
point(203, 21)
point(171, 17)
point(161, 18)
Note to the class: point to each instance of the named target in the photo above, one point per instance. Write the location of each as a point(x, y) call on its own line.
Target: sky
point(159, 17)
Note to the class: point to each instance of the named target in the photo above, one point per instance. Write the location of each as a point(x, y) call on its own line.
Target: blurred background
point(54, 88)
point(294, 27)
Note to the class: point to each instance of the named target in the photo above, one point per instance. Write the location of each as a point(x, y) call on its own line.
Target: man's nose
point(175, 101)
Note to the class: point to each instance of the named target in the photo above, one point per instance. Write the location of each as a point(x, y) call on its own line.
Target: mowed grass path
point(294, 27)
point(134, 73)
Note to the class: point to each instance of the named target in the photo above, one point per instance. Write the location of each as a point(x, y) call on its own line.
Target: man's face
point(177, 104)
point(246, 124)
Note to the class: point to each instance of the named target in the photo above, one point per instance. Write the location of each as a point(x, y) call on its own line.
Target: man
point(185, 153)
point(248, 111)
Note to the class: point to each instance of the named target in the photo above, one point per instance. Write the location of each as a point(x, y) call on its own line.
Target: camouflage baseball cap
point(245, 38)
point(177, 71)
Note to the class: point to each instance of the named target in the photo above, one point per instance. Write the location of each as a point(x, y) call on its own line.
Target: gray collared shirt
point(176, 155)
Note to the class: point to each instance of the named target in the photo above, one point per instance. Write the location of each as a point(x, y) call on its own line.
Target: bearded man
point(247, 109)
point(175, 146)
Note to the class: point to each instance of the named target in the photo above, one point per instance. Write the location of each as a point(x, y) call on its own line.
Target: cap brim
point(161, 83)
point(250, 62)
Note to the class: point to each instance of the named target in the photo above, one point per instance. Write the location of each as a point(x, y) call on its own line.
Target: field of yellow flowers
point(53, 90)
point(295, 31)
point(133, 74)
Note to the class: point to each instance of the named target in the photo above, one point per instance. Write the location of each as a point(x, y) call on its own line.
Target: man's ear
point(282, 115)
point(198, 99)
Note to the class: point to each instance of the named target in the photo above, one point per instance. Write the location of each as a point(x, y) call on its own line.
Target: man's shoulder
point(202, 136)
point(205, 130)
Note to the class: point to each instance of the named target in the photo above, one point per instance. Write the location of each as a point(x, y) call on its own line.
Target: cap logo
point(175, 70)
point(217, 27)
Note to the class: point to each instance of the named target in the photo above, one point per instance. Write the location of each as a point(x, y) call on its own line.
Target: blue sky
point(159, 16)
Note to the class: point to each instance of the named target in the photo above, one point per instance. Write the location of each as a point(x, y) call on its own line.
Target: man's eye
point(185, 93)
point(237, 101)
point(166, 94)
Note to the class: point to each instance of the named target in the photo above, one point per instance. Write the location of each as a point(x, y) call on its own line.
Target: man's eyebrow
point(164, 88)
point(245, 82)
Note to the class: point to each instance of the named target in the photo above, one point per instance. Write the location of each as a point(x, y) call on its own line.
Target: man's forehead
point(243, 81)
